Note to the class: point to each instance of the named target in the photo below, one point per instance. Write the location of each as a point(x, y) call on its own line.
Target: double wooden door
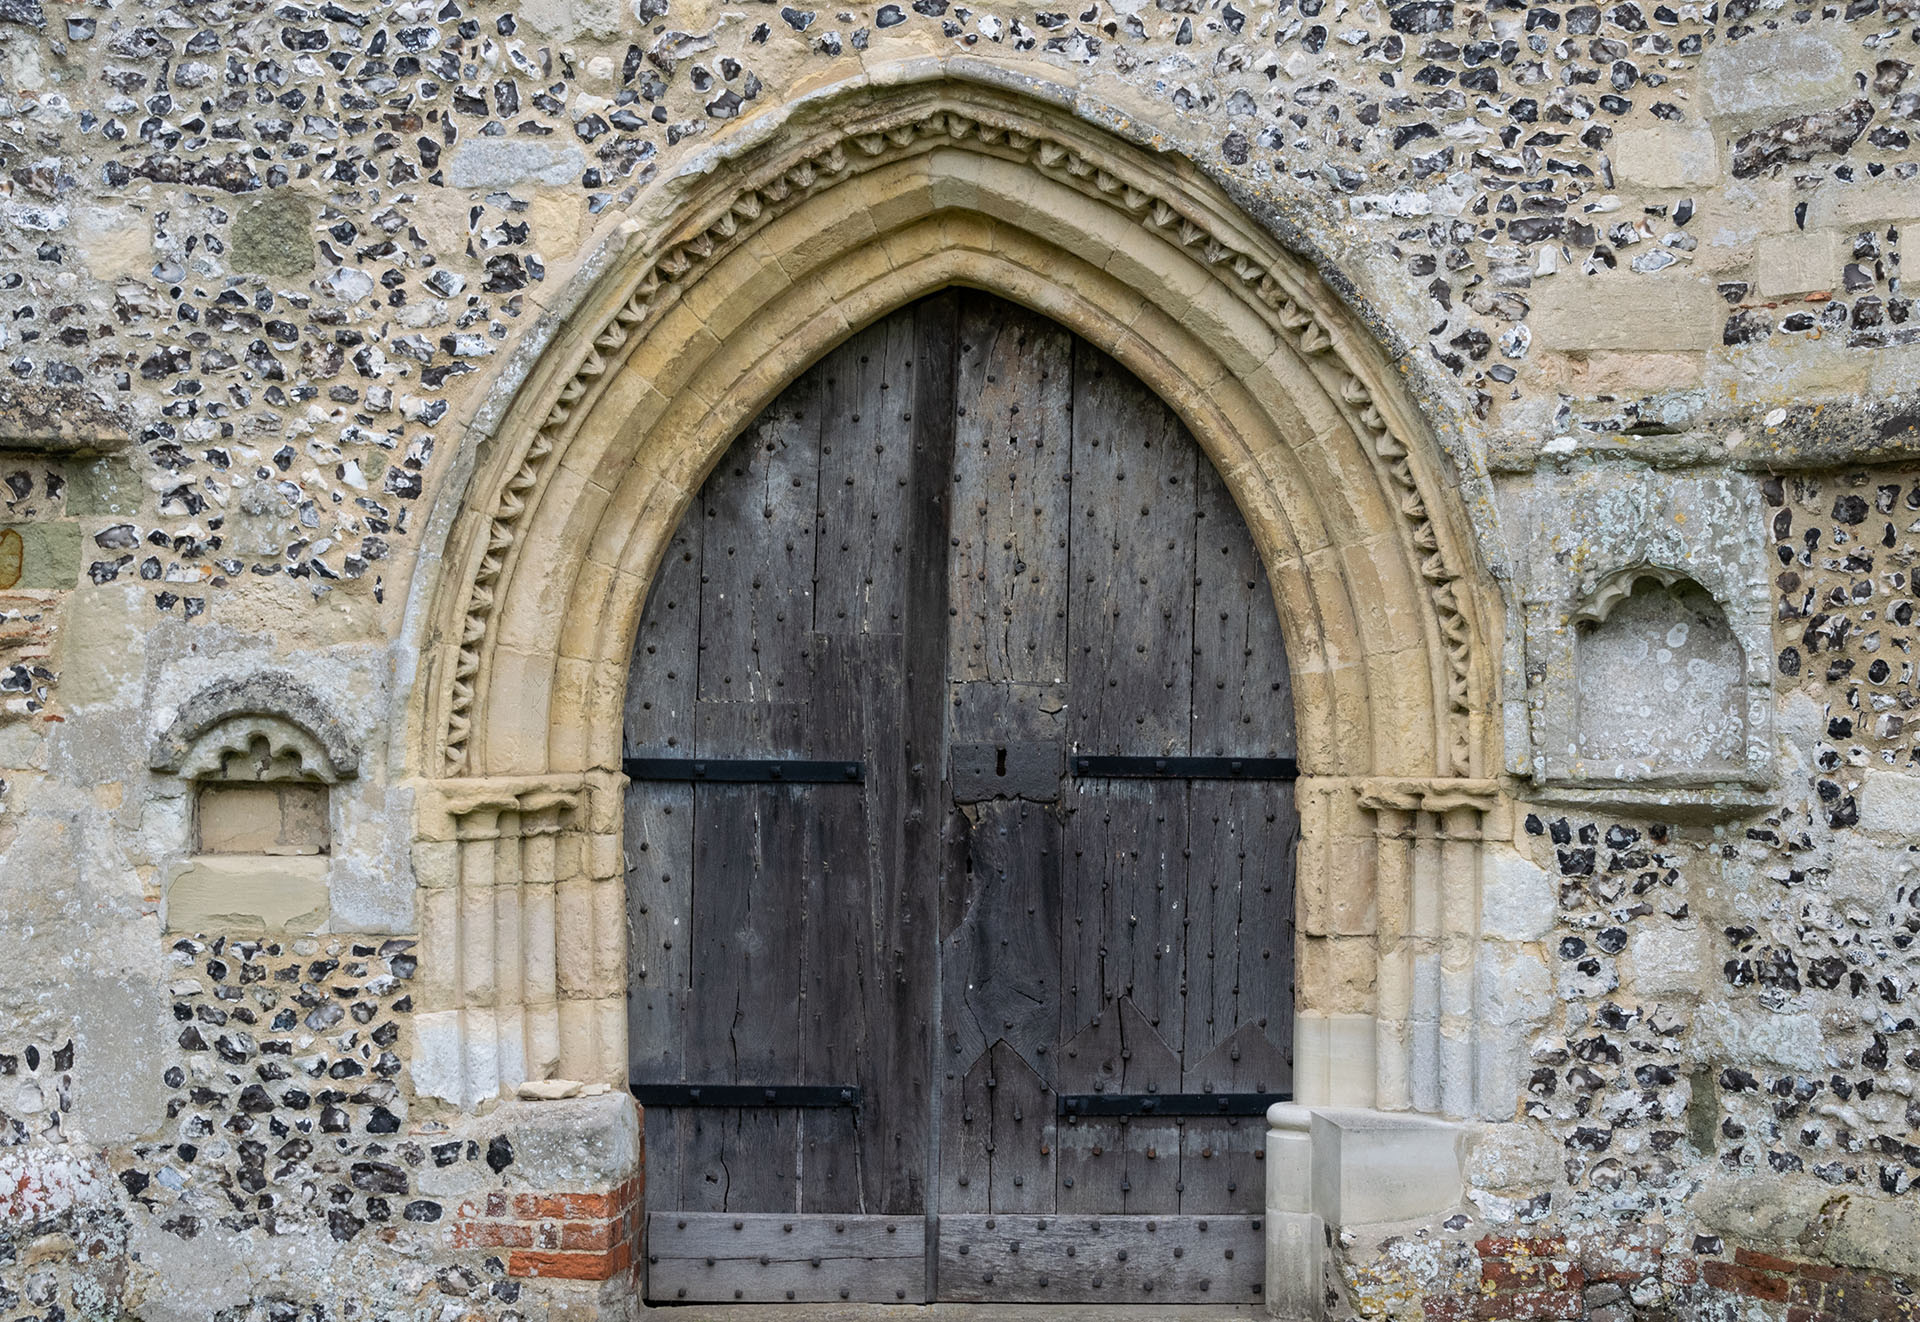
point(960, 841)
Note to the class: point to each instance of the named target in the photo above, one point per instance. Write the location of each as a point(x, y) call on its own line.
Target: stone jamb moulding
point(877, 199)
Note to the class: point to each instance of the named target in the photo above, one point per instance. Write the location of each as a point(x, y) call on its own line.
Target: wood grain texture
point(960, 548)
point(706, 1258)
point(1136, 1260)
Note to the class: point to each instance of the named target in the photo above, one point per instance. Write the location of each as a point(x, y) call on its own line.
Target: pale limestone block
point(1864, 203)
point(1891, 802)
point(1667, 312)
point(1514, 1158)
point(1518, 900)
point(1682, 155)
point(249, 892)
point(438, 1056)
point(1369, 1166)
point(1797, 263)
point(1667, 959)
point(1773, 75)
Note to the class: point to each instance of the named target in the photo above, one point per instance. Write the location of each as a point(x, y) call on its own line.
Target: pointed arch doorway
point(960, 841)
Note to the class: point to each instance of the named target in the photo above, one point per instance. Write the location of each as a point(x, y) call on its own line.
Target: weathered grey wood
point(1240, 909)
point(959, 547)
point(665, 676)
point(708, 1258)
point(966, 1135)
point(756, 600)
point(1011, 461)
point(862, 515)
point(925, 809)
point(999, 968)
point(1242, 694)
point(1022, 1108)
point(1131, 590)
point(1126, 876)
point(837, 975)
point(1127, 1163)
point(1141, 1260)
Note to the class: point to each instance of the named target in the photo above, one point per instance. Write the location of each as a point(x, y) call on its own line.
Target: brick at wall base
point(559, 1236)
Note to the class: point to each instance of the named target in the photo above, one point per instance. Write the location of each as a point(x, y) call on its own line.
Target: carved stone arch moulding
point(303, 737)
point(855, 205)
point(865, 131)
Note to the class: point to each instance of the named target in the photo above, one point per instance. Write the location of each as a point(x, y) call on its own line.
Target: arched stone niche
point(1661, 682)
point(1641, 678)
point(256, 760)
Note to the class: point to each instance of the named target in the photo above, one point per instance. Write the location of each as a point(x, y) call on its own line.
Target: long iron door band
point(745, 770)
point(1185, 768)
point(1168, 1103)
point(743, 1094)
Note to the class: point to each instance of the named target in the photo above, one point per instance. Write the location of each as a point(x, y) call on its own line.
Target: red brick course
point(1545, 1277)
point(586, 1236)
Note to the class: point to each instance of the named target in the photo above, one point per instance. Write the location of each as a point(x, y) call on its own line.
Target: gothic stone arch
point(856, 205)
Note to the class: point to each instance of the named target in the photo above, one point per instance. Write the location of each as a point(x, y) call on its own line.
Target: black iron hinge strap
point(1186, 768)
point(743, 1094)
point(745, 770)
point(1169, 1103)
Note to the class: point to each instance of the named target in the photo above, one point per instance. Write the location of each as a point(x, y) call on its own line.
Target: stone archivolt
point(784, 252)
point(1289, 296)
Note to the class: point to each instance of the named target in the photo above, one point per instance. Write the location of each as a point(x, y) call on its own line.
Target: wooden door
point(1009, 993)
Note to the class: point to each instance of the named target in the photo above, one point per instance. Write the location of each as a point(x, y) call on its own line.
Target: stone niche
point(259, 758)
point(1641, 679)
point(1659, 683)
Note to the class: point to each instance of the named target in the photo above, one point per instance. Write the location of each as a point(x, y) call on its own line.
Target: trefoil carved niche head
point(1660, 682)
point(261, 755)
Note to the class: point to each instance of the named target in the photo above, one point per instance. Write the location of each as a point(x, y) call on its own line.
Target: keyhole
point(999, 761)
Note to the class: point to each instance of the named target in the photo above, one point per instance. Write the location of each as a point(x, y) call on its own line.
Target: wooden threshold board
point(735, 1257)
point(1119, 1260)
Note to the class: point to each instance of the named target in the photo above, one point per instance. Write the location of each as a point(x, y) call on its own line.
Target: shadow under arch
point(852, 209)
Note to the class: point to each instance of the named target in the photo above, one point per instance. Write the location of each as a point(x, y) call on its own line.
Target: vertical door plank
point(1022, 1107)
point(1126, 892)
point(866, 402)
point(1091, 1169)
point(1000, 966)
point(837, 982)
point(966, 1136)
point(1131, 594)
point(756, 601)
point(925, 808)
point(1011, 460)
point(1242, 693)
point(750, 857)
point(1151, 1145)
point(663, 680)
point(1240, 948)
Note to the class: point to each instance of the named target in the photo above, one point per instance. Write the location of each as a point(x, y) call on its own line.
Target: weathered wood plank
point(924, 807)
point(744, 1024)
point(1011, 461)
point(838, 984)
point(866, 403)
point(662, 682)
point(1139, 1260)
point(1023, 1134)
point(965, 1180)
point(1125, 892)
point(747, 1258)
point(999, 969)
point(1240, 909)
point(1242, 693)
point(756, 600)
point(1131, 583)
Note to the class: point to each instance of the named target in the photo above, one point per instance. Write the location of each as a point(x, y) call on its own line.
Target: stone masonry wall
point(265, 268)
